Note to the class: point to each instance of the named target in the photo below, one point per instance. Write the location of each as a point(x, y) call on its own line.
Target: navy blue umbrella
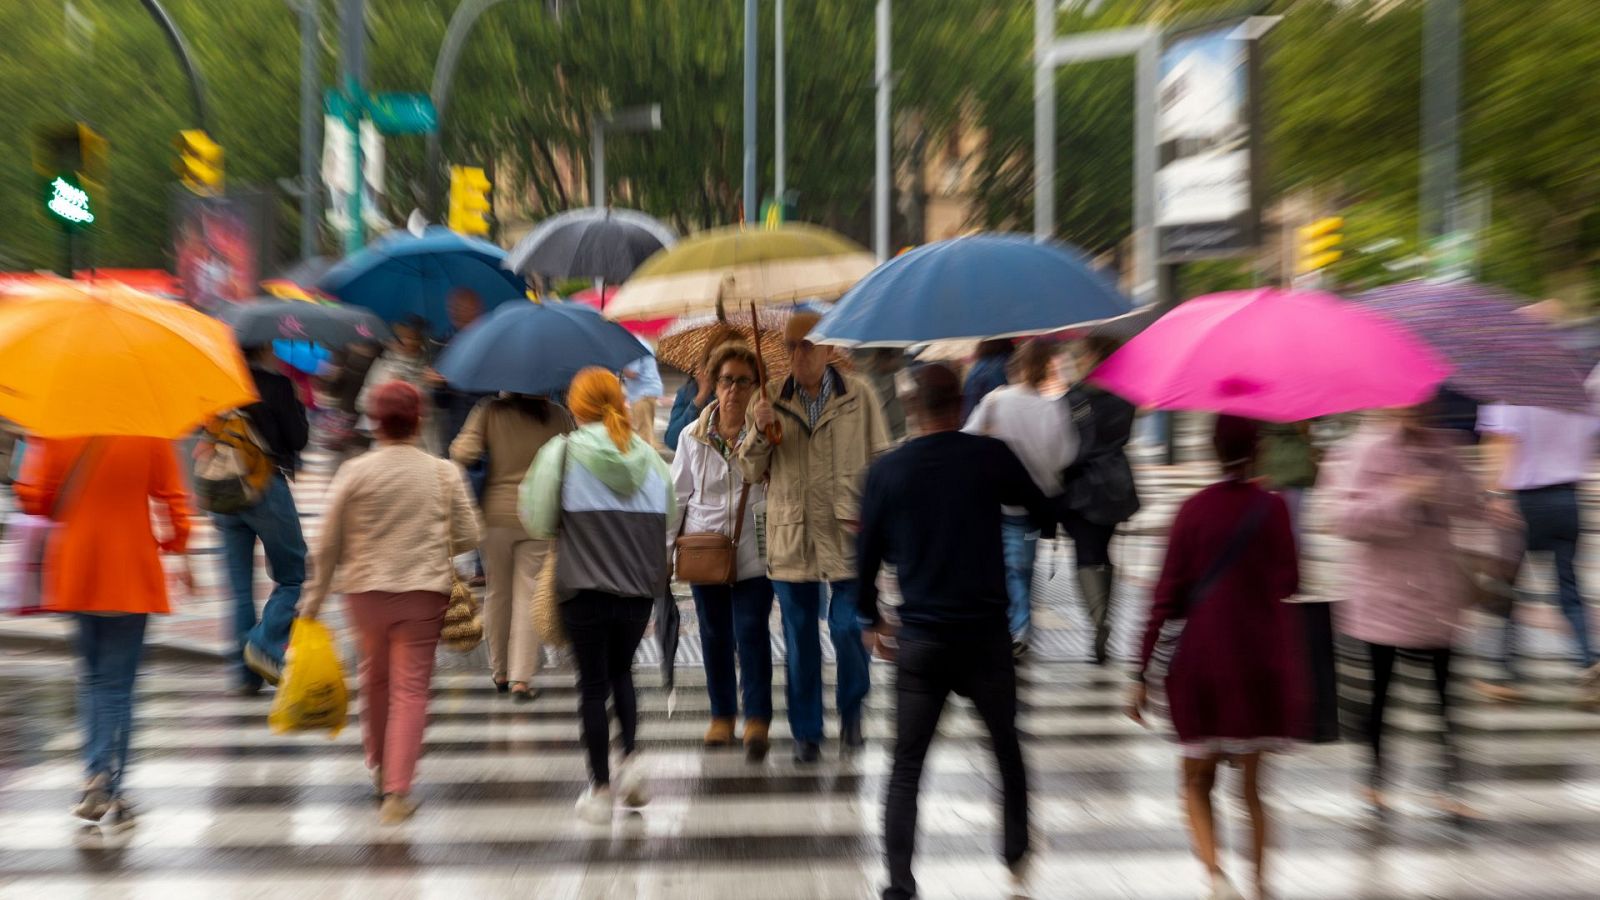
point(402, 275)
point(983, 286)
point(535, 348)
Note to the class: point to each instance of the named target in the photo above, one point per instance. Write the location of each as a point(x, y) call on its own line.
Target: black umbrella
point(590, 243)
point(668, 622)
point(259, 322)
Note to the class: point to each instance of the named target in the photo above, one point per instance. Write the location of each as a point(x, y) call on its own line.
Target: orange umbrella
point(80, 360)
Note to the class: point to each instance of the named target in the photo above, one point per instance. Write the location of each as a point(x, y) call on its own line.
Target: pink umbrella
point(1281, 356)
point(649, 329)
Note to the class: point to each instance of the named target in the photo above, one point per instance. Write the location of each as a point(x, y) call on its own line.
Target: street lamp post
point(780, 160)
point(634, 118)
point(750, 63)
point(880, 180)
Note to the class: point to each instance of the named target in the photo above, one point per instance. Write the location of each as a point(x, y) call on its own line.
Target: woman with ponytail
point(604, 496)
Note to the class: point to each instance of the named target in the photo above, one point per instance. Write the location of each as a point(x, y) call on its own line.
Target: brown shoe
point(756, 740)
point(720, 734)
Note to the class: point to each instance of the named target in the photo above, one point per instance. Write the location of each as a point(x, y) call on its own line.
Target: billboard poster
point(1205, 145)
point(220, 246)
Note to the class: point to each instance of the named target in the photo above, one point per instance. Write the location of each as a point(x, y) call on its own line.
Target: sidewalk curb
point(155, 650)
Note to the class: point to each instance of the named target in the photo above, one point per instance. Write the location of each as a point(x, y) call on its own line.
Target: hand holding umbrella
point(766, 419)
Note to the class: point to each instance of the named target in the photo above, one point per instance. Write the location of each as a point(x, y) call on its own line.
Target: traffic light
point(72, 150)
point(469, 200)
point(199, 162)
point(1319, 244)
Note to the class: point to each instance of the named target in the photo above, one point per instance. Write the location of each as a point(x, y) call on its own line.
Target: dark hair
point(1234, 441)
point(1031, 363)
point(536, 408)
point(732, 351)
point(396, 407)
point(1101, 346)
point(996, 347)
point(937, 391)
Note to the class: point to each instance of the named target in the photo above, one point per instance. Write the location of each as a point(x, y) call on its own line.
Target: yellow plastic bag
point(311, 695)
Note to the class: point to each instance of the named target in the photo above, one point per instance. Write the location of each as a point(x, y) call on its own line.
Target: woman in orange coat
point(102, 567)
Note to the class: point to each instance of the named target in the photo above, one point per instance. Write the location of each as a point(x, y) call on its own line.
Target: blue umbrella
point(403, 275)
point(983, 286)
point(535, 348)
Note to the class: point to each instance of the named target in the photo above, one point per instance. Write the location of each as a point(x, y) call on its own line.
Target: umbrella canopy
point(683, 345)
point(1276, 355)
point(668, 626)
point(1500, 355)
point(403, 275)
point(983, 286)
point(734, 267)
point(535, 348)
point(264, 321)
point(109, 360)
point(649, 329)
point(600, 243)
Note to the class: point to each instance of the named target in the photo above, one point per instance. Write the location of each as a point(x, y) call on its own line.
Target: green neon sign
point(69, 203)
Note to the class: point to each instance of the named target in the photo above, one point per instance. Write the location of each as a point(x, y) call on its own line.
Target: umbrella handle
point(773, 432)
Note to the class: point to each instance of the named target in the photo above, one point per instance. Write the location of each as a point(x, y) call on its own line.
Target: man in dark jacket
point(279, 419)
point(945, 543)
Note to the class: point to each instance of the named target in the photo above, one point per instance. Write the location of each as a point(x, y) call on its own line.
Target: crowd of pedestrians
point(811, 493)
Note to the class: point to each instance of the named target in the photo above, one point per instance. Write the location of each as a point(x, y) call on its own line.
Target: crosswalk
point(231, 810)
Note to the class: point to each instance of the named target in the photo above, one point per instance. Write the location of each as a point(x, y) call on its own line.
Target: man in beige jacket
point(832, 428)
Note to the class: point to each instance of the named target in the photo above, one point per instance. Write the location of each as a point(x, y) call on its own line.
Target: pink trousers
point(398, 635)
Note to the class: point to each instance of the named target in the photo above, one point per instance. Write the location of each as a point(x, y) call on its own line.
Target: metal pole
point(780, 183)
point(880, 180)
point(353, 38)
point(1147, 61)
point(597, 163)
point(310, 187)
point(197, 88)
point(750, 63)
point(1044, 119)
point(1441, 96)
point(444, 73)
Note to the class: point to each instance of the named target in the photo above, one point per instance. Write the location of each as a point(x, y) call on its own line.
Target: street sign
point(69, 203)
point(403, 113)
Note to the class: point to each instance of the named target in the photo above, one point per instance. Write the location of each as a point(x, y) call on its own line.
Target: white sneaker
point(630, 782)
point(594, 806)
point(1223, 889)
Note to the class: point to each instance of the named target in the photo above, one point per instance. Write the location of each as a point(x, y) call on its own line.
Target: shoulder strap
point(1242, 535)
point(75, 474)
point(738, 523)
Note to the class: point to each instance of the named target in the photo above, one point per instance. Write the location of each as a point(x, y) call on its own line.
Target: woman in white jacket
point(733, 618)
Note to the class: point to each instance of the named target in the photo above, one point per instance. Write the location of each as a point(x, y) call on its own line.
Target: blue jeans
point(801, 605)
point(109, 648)
point(1021, 542)
point(736, 617)
point(1554, 525)
point(276, 522)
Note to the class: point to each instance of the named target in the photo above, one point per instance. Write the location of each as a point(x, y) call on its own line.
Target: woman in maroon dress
point(1236, 684)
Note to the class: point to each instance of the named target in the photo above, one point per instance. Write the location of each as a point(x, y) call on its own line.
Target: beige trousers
point(644, 420)
point(511, 564)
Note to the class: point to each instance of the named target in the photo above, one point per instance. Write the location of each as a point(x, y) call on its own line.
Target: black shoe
point(851, 736)
point(807, 752)
point(500, 687)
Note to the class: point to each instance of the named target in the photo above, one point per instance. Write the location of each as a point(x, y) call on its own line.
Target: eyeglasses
point(797, 346)
point(740, 382)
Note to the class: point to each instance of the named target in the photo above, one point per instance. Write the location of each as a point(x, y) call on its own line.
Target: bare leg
point(1199, 777)
point(1250, 792)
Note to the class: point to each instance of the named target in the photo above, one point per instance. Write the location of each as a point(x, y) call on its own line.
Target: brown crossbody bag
point(711, 557)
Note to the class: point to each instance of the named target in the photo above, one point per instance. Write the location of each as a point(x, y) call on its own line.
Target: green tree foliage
point(1341, 113)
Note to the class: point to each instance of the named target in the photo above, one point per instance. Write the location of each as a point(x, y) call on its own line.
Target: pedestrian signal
point(470, 206)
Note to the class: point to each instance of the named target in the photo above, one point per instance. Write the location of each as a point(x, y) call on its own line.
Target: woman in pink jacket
point(1395, 498)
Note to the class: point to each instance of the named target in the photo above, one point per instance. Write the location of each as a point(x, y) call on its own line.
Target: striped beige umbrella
point(684, 345)
point(730, 268)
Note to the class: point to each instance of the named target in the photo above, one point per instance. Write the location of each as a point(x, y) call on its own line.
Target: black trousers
point(1383, 658)
point(1091, 541)
point(974, 664)
point(605, 631)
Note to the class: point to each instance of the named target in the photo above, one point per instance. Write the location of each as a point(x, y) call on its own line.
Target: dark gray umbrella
point(260, 322)
point(668, 622)
point(590, 243)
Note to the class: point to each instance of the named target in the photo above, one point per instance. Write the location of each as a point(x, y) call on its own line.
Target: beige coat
point(814, 495)
point(511, 440)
